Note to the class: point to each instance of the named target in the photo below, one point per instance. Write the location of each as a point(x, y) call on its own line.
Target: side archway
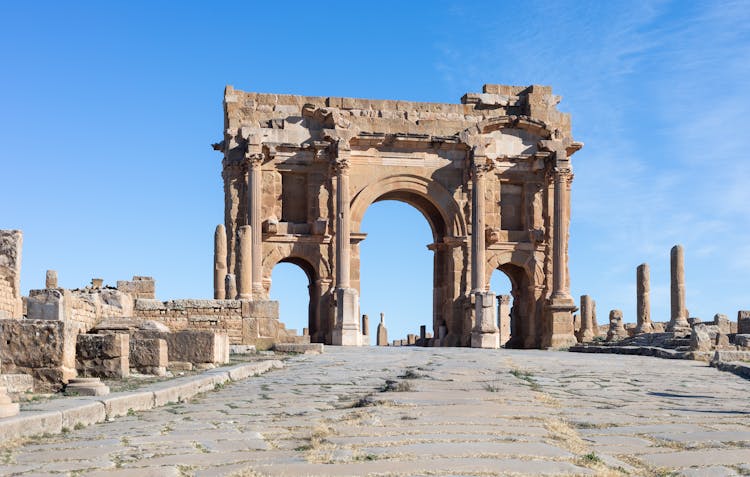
point(519, 267)
point(318, 287)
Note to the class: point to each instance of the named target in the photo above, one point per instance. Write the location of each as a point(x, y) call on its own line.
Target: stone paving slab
point(466, 412)
point(55, 416)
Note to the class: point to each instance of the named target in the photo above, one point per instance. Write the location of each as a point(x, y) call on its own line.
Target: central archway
point(443, 215)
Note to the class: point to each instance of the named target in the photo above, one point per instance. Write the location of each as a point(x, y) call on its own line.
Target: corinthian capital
point(341, 165)
point(254, 159)
point(481, 166)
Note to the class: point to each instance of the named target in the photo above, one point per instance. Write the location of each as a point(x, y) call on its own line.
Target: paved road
point(452, 412)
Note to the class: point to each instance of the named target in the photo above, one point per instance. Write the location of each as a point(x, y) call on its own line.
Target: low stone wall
point(11, 305)
point(245, 322)
point(44, 349)
point(208, 315)
point(87, 306)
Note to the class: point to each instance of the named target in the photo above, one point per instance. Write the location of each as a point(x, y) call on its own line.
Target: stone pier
point(503, 318)
point(485, 333)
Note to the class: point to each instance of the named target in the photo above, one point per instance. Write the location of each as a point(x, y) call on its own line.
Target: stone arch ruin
point(491, 175)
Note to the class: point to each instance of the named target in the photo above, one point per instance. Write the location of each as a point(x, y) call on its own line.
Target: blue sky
point(108, 111)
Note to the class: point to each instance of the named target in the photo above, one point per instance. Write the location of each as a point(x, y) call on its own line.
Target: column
point(254, 203)
point(244, 279)
point(346, 331)
point(643, 301)
point(560, 306)
point(485, 333)
point(220, 262)
point(235, 185)
point(587, 332)
point(561, 232)
point(678, 319)
point(343, 235)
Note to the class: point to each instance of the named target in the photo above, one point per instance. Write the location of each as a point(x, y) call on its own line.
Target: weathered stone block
point(17, 384)
point(44, 349)
point(742, 340)
point(743, 322)
point(700, 339)
point(260, 309)
point(191, 345)
point(149, 355)
point(49, 304)
point(103, 356)
point(723, 322)
point(138, 287)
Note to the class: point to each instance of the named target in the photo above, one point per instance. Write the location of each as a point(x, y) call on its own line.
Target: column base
point(680, 328)
point(644, 328)
point(485, 340)
point(558, 315)
point(485, 334)
point(347, 331)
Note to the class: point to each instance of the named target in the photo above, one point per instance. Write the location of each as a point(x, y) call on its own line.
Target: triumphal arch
point(491, 175)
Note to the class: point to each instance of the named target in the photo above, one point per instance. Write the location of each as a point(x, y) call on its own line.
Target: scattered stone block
point(86, 387)
point(242, 349)
point(700, 339)
point(180, 366)
point(306, 348)
point(103, 356)
point(149, 356)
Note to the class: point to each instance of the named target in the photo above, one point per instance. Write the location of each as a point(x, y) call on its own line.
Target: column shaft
point(558, 240)
point(254, 209)
point(678, 317)
point(477, 232)
point(244, 285)
point(220, 262)
point(643, 301)
point(343, 242)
